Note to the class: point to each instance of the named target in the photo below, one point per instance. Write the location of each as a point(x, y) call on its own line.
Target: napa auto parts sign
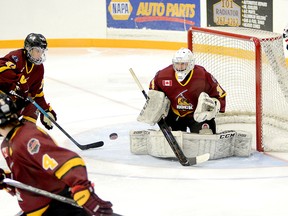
point(161, 15)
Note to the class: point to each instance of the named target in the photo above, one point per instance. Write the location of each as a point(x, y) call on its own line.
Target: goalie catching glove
point(156, 107)
point(207, 108)
point(93, 205)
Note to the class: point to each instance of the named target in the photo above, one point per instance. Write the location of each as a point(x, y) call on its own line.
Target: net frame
point(267, 51)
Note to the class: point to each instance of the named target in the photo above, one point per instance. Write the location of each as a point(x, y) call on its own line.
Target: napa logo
point(120, 9)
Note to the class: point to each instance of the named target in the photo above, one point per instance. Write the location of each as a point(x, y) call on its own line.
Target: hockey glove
point(93, 205)
point(207, 108)
point(8, 188)
point(157, 106)
point(45, 120)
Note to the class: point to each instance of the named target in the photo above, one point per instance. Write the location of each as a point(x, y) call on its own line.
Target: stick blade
point(91, 145)
point(199, 159)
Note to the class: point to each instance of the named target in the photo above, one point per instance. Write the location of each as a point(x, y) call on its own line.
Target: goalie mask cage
point(250, 66)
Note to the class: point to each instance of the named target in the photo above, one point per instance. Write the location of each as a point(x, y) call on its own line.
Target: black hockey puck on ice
point(113, 136)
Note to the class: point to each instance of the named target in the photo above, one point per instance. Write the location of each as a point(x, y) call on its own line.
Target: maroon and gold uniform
point(35, 159)
point(184, 95)
point(15, 68)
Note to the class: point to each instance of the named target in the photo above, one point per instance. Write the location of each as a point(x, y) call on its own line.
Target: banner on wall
point(249, 14)
point(177, 15)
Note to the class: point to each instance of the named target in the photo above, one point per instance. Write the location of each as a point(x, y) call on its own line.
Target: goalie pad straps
point(157, 106)
point(207, 108)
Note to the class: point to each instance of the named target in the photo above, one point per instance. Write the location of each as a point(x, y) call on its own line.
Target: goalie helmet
point(8, 109)
point(36, 47)
point(183, 62)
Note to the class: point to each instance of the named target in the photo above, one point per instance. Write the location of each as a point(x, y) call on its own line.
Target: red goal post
point(250, 65)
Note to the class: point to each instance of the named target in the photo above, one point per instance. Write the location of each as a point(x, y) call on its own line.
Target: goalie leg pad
point(218, 145)
point(225, 144)
point(138, 142)
point(158, 146)
point(243, 144)
point(153, 143)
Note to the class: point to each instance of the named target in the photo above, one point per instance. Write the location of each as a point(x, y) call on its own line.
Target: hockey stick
point(82, 147)
point(170, 138)
point(32, 189)
point(23, 186)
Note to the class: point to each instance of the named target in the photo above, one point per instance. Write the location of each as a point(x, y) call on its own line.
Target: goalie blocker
point(225, 144)
point(156, 107)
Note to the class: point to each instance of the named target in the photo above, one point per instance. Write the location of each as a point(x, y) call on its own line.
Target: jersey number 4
point(48, 162)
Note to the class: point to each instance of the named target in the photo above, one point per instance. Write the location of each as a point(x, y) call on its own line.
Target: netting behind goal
point(250, 65)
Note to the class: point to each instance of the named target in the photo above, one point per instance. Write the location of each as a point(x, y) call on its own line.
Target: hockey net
point(250, 65)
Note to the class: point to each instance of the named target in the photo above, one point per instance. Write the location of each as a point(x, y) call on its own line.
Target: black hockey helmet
point(35, 41)
point(8, 109)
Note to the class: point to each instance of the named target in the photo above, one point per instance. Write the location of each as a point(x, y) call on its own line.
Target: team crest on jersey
point(183, 104)
point(33, 146)
point(5, 152)
point(167, 82)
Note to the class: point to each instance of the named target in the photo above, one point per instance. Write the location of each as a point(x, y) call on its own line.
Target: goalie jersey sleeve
point(35, 159)
point(184, 95)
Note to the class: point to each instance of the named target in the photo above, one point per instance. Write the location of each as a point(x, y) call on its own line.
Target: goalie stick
point(32, 189)
point(170, 138)
point(82, 147)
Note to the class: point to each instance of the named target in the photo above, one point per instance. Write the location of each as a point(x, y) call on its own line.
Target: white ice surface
point(94, 95)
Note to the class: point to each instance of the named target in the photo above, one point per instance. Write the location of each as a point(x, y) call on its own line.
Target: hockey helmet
point(36, 47)
point(8, 109)
point(183, 62)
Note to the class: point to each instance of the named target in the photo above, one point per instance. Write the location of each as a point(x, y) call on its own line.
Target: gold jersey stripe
point(38, 212)
point(74, 162)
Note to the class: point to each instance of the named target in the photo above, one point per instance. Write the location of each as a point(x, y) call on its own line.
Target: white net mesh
point(231, 58)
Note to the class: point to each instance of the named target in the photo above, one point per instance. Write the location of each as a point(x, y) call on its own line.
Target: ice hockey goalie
point(152, 142)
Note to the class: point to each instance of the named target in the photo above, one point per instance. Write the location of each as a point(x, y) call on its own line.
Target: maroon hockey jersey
point(14, 68)
point(35, 159)
point(184, 95)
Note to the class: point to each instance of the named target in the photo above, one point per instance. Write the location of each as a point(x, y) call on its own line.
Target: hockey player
point(194, 94)
point(22, 71)
point(35, 159)
point(285, 36)
point(188, 97)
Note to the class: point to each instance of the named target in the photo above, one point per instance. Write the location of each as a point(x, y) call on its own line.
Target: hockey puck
point(113, 136)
